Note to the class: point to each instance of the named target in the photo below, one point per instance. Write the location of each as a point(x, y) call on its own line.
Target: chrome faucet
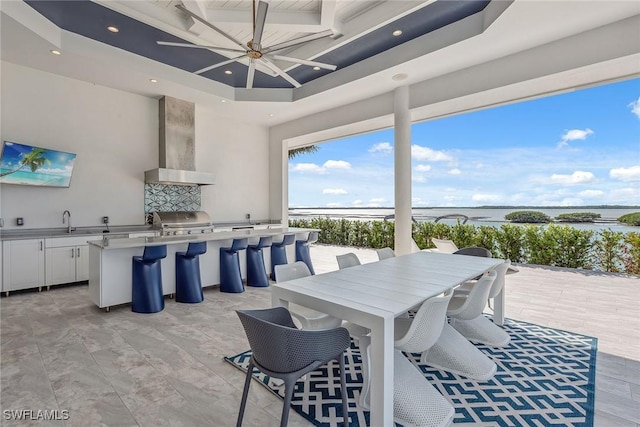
point(68, 214)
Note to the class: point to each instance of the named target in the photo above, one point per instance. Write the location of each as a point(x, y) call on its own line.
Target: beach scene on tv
point(29, 165)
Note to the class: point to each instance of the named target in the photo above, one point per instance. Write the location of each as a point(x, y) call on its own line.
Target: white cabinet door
point(23, 264)
point(82, 263)
point(61, 265)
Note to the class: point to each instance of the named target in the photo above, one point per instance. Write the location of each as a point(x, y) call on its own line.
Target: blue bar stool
point(302, 250)
point(230, 274)
point(279, 252)
point(188, 282)
point(256, 272)
point(147, 294)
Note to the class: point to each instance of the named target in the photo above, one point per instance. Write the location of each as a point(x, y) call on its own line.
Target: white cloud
point(381, 147)
point(591, 193)
point(415, 199)
point(357, 203)
point(336, 164)
point(423, 168)
point(455, 172)
point(623, 195)
point(574, 135)
point(418, 178)
point(307, 167)
point(336, 191)
point(452, 198)
point(334, 205)
point(578, 177)
point(626, 174)
point(425, 153)
point(377, 200)
point(635, 107)
point(485, 197)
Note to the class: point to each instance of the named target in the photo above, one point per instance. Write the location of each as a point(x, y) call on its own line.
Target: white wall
point(115, 135)
point(238, 154)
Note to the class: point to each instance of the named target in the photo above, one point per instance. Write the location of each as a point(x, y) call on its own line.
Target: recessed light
point(271, 115)
point(113, 29)
point(228, 72)
point(153, 80)
point(397, 33)
point(399, 77)
point(223, 100)
point(316, 68)
point(55, 52)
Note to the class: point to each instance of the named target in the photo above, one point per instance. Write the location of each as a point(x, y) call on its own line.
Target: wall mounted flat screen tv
point(29, 165)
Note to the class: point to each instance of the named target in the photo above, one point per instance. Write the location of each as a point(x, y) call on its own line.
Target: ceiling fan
point(254, 50)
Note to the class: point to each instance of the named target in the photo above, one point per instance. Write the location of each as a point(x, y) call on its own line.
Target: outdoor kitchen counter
point(120, 243)
point(110, 260)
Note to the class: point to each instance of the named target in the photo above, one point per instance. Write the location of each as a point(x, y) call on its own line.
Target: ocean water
point(35, 178)
point(477, 216)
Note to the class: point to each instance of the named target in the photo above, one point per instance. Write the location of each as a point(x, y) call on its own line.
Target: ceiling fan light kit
point(253, 50)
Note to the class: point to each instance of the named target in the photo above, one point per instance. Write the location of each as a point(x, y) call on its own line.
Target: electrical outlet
point(248, 216)
point(105, 220)
point(19, 221)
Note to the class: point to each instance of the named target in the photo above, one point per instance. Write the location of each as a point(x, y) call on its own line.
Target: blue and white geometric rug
point(545, 377)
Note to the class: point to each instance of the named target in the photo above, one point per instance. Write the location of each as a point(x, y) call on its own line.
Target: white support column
point(402, 166)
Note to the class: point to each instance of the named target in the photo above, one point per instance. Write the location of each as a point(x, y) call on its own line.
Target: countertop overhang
point(123, 243)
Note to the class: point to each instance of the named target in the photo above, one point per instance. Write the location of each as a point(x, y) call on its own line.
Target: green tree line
point(555, 245)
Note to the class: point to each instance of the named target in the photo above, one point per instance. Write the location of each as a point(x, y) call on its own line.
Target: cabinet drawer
point(58, 242)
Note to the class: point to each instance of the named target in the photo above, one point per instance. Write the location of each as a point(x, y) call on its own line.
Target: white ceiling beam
point(292, 21)
point(197, 7)
point(328, 13)
point(374, 18)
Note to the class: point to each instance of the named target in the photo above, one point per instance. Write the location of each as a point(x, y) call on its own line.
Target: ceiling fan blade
point(209, 24)
point(219, 64)
point(280, 72)
point(250, 73)
point(299, 40)
point(305, 62)
point(260, 19)
point(198, 46)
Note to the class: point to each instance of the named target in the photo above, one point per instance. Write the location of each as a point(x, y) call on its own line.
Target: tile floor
point(59, 352)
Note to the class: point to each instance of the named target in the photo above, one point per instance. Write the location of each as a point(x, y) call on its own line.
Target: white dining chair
point(453, 352)
point(385, 253)
point(308, 318)
point(347, 260)
point(415, 335)
point(480, 329)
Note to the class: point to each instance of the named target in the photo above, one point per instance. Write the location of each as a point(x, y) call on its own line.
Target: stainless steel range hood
point(177, 146)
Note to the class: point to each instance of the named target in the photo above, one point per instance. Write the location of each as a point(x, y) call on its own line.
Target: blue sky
point(572, 149)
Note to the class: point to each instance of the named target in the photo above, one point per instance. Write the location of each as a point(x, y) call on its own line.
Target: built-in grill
point(180, 223)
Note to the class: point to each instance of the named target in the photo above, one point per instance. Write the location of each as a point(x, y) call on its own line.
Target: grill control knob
point(189, 232)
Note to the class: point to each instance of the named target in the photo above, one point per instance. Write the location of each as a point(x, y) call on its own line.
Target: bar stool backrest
point(196, 248)
point(154, 253)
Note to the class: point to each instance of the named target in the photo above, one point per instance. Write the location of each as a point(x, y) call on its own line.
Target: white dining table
point(373, 294)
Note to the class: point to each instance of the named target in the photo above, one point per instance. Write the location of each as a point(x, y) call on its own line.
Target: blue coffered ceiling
point(90, 20)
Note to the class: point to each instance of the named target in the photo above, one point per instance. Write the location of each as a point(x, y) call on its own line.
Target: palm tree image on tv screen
point(29, 165)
